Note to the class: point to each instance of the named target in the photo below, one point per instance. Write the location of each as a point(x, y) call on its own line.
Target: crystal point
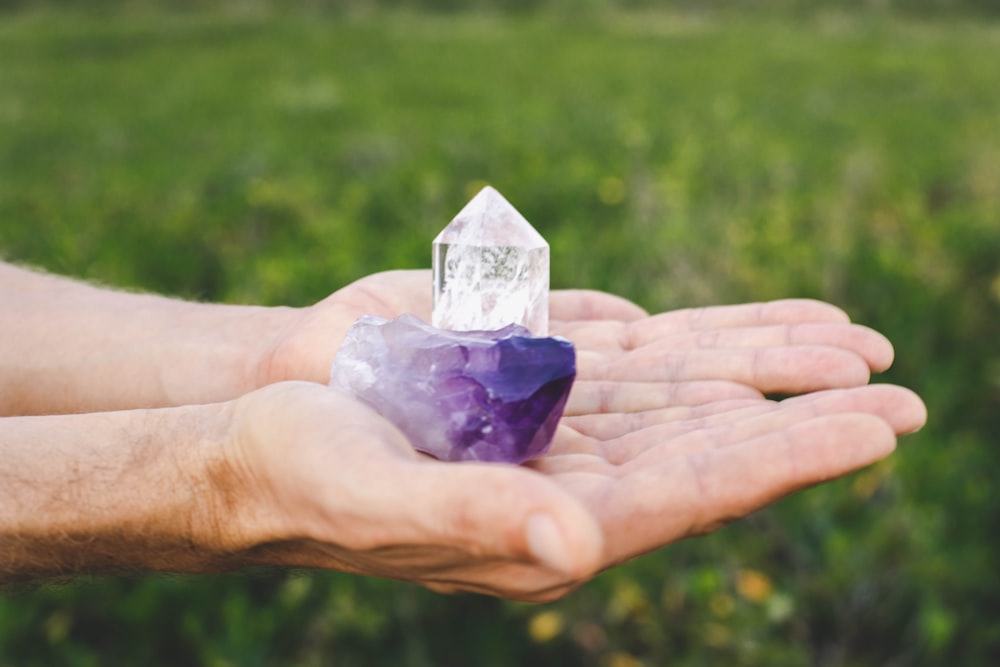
point(491, 269)
point(477, 395)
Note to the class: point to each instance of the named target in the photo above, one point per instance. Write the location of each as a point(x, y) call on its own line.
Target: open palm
point(627, 360)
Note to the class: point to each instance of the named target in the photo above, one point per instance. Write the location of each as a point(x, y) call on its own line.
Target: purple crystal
point(471, 395)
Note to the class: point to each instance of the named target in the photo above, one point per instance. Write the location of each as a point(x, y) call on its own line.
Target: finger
point(900, 408)
point(872, 346)
point(567, 443)
point(735, 481)
point(569, 305)
point(612, 426)
point(506, 512)
point(441, 570)
point(700, 492)
point(631, 333)
point(605, 336)
point(593, 397)
point(796, 369)
point(398, 292)
point(787, 311)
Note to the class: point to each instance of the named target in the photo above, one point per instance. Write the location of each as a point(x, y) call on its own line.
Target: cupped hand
point(333, 485)
point(317, 479)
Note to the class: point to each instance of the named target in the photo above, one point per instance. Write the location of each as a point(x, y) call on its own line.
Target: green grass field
point(677, 158)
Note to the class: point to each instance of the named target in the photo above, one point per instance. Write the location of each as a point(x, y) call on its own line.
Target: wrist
point(104, 492)
point(300, 343)
point(220, 352)
point(70, 347)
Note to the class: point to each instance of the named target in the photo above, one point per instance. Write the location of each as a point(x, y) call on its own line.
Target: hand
point(667, 435)
point(327, 483)
point(786, 346)
point(304, 348)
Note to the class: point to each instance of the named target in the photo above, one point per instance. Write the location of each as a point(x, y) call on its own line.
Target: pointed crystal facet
point(491, 269)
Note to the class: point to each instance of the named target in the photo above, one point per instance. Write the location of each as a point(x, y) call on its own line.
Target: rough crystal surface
point(477, 395)
point(491, 269)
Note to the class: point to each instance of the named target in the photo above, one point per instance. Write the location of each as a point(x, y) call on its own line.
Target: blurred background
point(678, 153)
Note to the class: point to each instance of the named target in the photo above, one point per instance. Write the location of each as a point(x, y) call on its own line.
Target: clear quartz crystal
point(491, 269)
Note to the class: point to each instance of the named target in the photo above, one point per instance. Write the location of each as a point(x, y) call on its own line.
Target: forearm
point(105, 492)
point(70, 347)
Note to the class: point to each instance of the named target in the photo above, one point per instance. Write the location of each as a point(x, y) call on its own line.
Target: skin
point(196, 438)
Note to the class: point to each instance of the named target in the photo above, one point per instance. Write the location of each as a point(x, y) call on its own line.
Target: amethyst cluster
point(474, 395)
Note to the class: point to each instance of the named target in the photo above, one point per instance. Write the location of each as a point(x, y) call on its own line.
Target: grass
point(676, 158)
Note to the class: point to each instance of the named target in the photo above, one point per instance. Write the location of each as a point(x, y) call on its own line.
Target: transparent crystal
point(491, 269)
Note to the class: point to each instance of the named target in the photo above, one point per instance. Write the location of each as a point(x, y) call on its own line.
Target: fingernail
point(547, 544)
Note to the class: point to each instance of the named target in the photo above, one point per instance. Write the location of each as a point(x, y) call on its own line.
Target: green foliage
point(565, 7)
point(255, 154)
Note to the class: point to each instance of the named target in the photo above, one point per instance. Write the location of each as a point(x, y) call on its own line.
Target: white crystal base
point(489, 287)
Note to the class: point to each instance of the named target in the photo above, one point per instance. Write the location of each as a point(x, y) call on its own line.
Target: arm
point(110, 491)
point(66, 346)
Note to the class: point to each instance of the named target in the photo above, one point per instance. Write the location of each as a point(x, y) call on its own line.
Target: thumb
point(493, 510)
point(578, 304)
